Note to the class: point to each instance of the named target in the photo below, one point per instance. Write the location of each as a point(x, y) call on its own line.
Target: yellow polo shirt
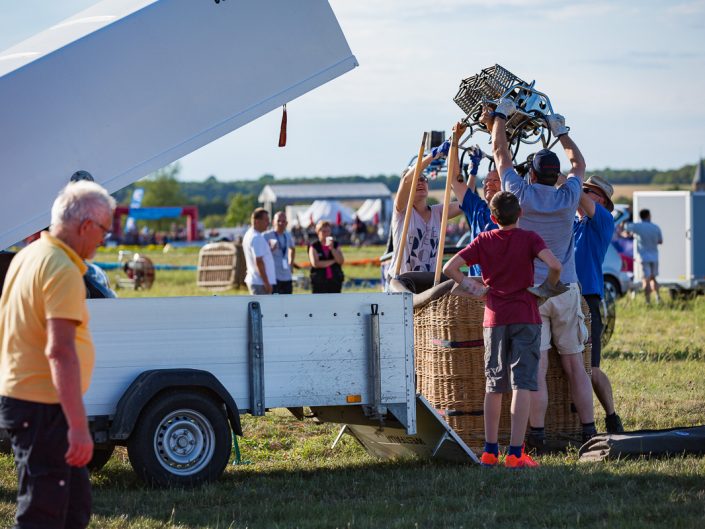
point(45, 280)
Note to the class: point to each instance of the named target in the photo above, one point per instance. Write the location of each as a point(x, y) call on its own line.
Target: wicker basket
point(221, 266)
point(450, 372)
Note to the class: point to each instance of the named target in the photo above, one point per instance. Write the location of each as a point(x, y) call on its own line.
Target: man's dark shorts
point(50, 493)
point(512, 355)
point(593, 302)
point(283, 287)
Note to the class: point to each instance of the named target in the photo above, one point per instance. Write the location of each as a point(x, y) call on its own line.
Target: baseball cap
point(546, 162)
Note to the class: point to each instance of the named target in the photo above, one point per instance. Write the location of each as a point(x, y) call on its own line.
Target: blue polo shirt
point(592, 238)
point(477, 213)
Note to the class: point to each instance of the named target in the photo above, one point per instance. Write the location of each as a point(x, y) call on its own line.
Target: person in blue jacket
point(593, 230)
point(476, 210)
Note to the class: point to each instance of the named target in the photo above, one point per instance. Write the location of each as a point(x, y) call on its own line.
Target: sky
point(628, 76)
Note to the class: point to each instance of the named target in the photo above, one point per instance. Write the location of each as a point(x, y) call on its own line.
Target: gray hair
point(79, 201)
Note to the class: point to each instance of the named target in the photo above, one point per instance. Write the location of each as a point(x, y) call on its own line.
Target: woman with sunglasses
point(423, 236)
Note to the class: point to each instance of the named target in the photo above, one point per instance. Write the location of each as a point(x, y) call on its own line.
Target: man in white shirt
point(260, 278)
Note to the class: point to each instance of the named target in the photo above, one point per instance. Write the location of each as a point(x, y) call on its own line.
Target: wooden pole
point(409, 207)
point(444, 215)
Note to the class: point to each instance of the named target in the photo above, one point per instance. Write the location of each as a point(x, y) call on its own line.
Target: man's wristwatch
point(496, 114)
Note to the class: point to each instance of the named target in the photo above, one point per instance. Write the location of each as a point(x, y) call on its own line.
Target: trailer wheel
point(181, 439)
point(101, 456)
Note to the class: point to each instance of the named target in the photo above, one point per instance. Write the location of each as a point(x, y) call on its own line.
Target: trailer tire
point(181, 439)
point(101, 456)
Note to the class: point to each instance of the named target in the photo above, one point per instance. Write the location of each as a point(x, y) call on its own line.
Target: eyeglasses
point(423, 178)
point(587, 191)
point(106, 231)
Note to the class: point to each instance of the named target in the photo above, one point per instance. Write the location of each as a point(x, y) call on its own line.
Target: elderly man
point(550, 211)
point(46, 361)
point(593, 234)
point(261, 277)
point(283, 253)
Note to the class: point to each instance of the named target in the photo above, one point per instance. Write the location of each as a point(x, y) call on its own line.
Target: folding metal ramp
point(387, 437)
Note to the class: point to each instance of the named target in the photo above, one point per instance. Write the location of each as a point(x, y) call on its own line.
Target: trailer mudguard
point(150, 383)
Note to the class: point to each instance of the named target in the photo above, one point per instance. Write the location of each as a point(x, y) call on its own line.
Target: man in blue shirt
point(593, 232)
point(476, 210)
point(648, 237)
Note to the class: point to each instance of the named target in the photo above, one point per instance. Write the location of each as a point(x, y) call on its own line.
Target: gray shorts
point(649, 269)
point(512, 357)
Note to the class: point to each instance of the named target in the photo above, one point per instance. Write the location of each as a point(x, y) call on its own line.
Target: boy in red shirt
point(512, 324)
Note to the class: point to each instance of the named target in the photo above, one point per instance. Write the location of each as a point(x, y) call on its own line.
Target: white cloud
point(694, 7)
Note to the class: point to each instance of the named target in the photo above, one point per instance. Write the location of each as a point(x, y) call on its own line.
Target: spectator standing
point(260, 277)
point(593, 231)
point(46, 359)
point(359, 231)
point(512, 324)
point(326, 262)
point(550, 212)
point(648, 236)
point(283, 251)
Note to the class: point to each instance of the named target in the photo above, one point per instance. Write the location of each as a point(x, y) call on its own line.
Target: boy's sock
point(515, 451)
point(492, 448)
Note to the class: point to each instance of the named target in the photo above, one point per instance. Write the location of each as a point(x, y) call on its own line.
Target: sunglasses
point(423, 178)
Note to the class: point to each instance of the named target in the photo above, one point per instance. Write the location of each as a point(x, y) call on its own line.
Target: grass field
point(656, 361)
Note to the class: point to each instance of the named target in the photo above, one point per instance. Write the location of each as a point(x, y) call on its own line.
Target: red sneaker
point(488, 460)
point(525, 461)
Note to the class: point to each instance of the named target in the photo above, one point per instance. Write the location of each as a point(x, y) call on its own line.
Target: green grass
point(656, 363)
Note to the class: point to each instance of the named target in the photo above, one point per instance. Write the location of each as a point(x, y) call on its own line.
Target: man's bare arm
point(457, 181)
point(575, 157)
point(262, 269)
point(66, 377)
point(292, 256)
point(587, 205)
point(554, 265)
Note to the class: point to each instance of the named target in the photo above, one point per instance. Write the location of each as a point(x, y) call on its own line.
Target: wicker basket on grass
point(221, 266)
point(450, 373)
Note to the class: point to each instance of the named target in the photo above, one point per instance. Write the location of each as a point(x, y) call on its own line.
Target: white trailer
point(172, 375)
point(681, 217)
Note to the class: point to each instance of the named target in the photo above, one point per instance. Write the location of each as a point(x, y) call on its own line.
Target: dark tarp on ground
point(645, 443)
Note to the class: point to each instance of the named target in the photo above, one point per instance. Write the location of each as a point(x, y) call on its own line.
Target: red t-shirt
point(507, 261)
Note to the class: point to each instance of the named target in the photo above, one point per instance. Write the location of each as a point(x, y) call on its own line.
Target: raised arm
point(556, 123)
point(402, 198)
point(587, 205)
point(457, 181)
point(496, 122)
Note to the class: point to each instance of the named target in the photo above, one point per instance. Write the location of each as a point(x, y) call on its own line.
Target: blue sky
point(628, 76)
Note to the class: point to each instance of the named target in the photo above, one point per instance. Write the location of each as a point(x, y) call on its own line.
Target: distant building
point(699, 177)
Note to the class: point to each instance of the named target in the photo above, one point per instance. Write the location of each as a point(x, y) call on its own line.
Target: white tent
point(296, 215)
point(326, 210)
point(369, 209)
